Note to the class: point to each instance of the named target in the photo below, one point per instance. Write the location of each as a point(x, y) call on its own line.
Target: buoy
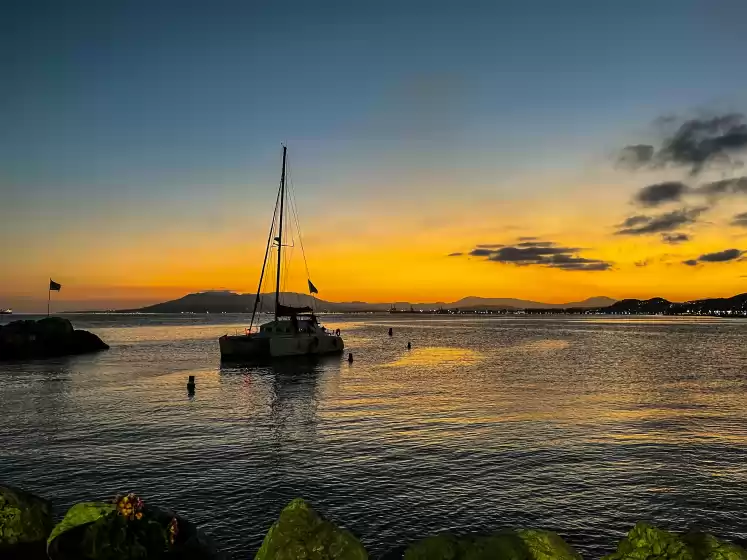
point(350, 358)
point(409, 346)
point(390, 331)
point(191, 384)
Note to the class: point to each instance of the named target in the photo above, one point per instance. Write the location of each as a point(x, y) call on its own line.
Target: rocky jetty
point(127, 528)
point(45, 338)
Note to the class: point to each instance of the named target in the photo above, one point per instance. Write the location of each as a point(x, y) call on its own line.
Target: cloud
point(490, 245)
point(674, 238)
point(740, 220)
point(724, 187)
point(480, 252)
point(535, 244)
point(455, 254)
point(642, 225)
point(726, 255)
point(654, 195)
point(643, 263)
point(635, 220)
point(694, 144)
point(541, 253)
point(721, 256)
point(529, 238)
point(674, 191)
point(636, 155)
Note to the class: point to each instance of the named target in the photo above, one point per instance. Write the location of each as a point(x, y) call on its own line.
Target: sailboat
point(294, 331)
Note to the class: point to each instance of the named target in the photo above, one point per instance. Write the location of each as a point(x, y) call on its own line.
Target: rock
point(647, 542)
point(708, 547)
point(505, 545)
point(546, 545)
point(25, 522)
point(85, 532)
point(300, 533)
point(48, 337)
point(193, 543)
point(80, 514)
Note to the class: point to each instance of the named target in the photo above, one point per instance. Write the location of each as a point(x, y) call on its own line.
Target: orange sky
point(388, 249)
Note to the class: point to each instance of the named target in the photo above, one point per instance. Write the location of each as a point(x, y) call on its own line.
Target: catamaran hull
point(250, 348)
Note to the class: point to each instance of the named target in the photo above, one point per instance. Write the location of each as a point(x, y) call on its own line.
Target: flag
point(54, 286)
point(312, 288)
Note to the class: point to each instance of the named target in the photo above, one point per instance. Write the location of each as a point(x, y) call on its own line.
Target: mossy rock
point(708, 547)
point(505, 545)
point(546, 545)
point(69, 539)
point(301, 534)
point(79, 515)
point(646, 542)
point(24, 518)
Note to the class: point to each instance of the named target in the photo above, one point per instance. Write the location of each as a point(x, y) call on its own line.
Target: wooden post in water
point(191, 384)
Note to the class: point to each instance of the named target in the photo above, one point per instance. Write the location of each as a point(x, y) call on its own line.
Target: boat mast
point(280, 235)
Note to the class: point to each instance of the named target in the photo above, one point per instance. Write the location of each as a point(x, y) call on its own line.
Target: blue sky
point(157, 113)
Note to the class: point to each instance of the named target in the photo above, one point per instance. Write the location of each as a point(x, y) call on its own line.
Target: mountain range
point(733, 305)
point(231, 302)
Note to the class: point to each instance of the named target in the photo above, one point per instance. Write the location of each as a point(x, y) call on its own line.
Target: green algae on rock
point(546, 545)
point(708, 547)
point(127, 529)
point(302, 534)
point(527, 544)
point(80, 514)
point(647, 542)
point(24, 518)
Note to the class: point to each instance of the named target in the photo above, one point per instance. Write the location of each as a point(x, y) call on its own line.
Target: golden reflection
point(434, 355)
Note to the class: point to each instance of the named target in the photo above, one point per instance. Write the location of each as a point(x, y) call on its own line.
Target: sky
point(437, 149)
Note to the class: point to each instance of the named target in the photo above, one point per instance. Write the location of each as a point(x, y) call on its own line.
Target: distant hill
point(510, 303)
point(736, 305)
point(230, 302)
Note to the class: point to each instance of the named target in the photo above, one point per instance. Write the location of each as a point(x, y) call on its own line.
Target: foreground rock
point(300, 533)
point(127, 530)
point(645, 542)
point(45, 338)
point(506, 545)
point(25, 522)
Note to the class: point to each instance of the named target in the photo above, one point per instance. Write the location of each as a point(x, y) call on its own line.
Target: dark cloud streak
point(541, 253)
point(654, 195)
point(740, 220)
point(642, 225)
point(727, 255)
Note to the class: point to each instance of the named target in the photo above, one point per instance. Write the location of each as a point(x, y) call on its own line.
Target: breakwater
point(128, 528)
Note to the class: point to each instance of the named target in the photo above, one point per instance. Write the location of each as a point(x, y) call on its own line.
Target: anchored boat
point(294, 331)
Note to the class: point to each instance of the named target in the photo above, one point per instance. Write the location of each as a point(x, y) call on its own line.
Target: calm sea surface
point(581, 425)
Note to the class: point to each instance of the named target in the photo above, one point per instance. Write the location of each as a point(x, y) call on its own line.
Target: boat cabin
point(292, 325)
